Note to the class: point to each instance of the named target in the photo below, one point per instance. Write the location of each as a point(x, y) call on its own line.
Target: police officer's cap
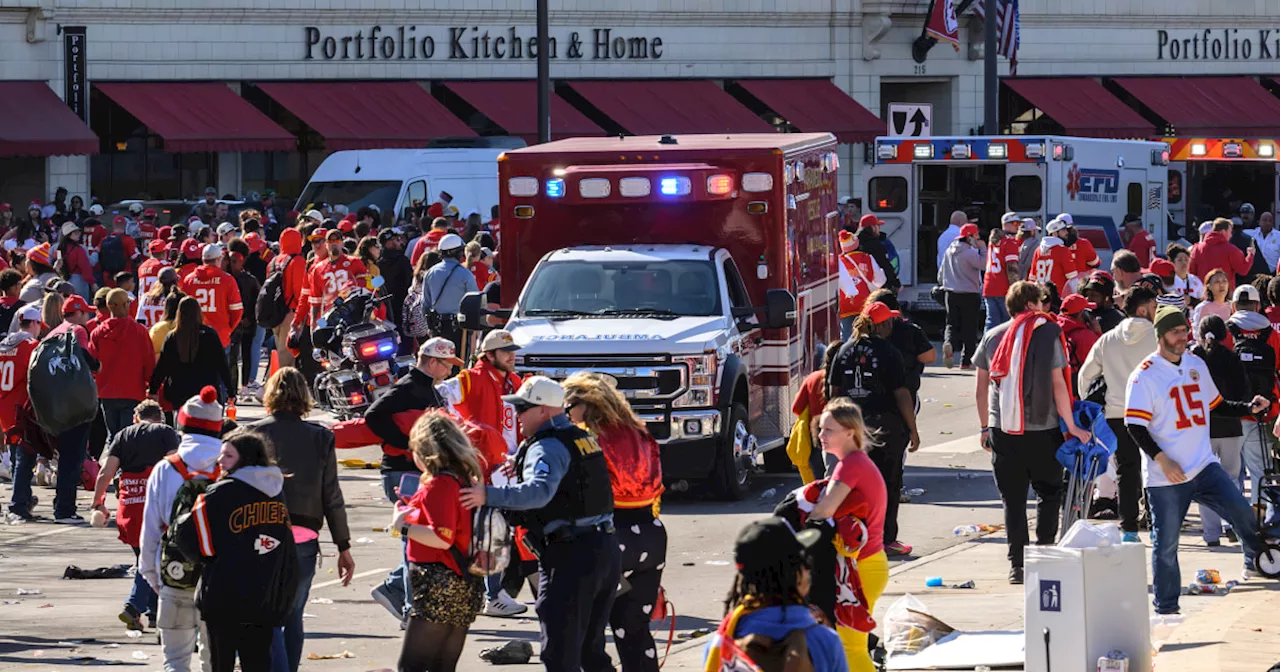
point(536, 391)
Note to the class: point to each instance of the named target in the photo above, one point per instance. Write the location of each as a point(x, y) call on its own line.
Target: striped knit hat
point(848, 241)
point(201, 414)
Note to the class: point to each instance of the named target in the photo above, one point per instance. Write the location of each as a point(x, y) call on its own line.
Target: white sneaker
point(1247, 574)
point(503, 606)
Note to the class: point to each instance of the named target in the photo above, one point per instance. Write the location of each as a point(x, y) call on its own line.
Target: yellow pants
point(874, 572)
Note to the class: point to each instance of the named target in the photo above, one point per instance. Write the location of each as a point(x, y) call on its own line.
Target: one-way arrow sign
point(910, 120)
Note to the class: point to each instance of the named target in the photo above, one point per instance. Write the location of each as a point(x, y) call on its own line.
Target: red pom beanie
point(201, 414)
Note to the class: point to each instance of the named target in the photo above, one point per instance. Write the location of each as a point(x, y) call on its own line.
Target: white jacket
point(1114, 357)
point(199, 453)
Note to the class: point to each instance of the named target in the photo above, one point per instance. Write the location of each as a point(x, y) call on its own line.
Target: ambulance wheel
point(1268, 561)
point(732, 471)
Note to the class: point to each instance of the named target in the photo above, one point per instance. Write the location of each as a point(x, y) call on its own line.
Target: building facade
point(90, 53)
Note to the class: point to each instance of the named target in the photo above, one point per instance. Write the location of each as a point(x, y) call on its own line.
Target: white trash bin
point(1091, 601)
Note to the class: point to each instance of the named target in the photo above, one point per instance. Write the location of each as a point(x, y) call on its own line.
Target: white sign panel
point(910, 120)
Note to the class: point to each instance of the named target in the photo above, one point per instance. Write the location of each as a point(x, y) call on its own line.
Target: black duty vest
point(585, 490)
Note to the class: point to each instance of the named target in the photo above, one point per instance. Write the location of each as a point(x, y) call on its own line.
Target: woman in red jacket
point(124, 348)
point(635, 469)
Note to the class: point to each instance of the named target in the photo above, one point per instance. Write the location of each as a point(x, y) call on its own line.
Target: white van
point(396, 180)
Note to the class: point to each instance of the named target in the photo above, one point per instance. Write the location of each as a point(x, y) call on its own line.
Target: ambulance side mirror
point(779, 309)
point(473, 312)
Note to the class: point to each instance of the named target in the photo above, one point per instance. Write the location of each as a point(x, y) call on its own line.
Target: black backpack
point(111, 255)
point(271, 306)
point(1258, 358)
point(176, 570)
point(60, 385)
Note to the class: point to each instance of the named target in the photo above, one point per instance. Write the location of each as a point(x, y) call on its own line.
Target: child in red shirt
point(445, 597)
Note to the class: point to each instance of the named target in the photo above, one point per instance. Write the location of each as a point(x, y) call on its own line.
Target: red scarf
point(1008, 362)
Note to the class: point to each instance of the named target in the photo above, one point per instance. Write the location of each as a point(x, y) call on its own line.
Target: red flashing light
point(719, 185)
point(356, 399)
point(369, 350)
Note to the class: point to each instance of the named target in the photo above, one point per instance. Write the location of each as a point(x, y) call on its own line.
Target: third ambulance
point(916, 183)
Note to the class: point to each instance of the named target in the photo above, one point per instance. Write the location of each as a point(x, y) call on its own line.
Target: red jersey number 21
point(1184, 401)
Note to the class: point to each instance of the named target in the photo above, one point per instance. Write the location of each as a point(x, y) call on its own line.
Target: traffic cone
point(275, 364)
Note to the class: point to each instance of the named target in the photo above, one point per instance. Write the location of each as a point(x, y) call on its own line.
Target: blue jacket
point(825, 649)
point(446, 283)
point(1091, 417)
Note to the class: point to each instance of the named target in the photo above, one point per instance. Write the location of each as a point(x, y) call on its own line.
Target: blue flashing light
point(555, 188)
point(386, 347)
point(669, 186)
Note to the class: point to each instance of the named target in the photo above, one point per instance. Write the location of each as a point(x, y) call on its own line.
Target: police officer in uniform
point(564, 497)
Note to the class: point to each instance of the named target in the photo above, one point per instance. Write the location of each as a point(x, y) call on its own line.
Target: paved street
point(73, 620)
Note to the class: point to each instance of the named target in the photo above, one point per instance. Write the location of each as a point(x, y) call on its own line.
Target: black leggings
point(643, 540)
point(431, 647)
point(252, 642)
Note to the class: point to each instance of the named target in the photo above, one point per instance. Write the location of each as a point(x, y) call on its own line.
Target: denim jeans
point(24, 469)
point(1256, 439)
point(846, 327)
point(72, 446)
point(118, 414)
point(997, 312)
point(286, 644)
point(397, 582)
point(142, 598)
point(245, 354)
point(1211, 488)
point(1228, 450)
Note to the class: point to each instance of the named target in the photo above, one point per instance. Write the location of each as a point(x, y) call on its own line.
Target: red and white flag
point(1008, 29)
point(943, 25)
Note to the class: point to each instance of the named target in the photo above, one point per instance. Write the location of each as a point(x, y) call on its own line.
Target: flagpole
point(990, 79)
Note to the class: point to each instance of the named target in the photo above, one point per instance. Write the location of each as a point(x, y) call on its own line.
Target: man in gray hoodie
point(961, 278)
point(1113, 358)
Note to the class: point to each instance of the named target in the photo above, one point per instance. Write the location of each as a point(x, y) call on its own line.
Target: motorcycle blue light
point(386, 347)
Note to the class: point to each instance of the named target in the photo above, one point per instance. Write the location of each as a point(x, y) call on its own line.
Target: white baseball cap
point(1066, 217)
point(211, 251)
point(536, 391)
point(1206, 226)
point(440, 348)
point(498, 339)
point(1246, 293)
point(1009, 217)
point(314, 214)
point(1055, 226)
point(1029, 224)
point(225, 228)
point(96, 210)
point(31, 312)
point(450, 241)
point(135, 207)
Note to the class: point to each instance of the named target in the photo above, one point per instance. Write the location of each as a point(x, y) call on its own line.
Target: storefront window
point(1026, 193)
point(888, 194)
point(133, 164)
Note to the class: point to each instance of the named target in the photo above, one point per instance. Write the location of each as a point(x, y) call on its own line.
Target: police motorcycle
point(357, 354)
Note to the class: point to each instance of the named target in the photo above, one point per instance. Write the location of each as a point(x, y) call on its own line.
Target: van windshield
point(354, 194)
point(671, 288)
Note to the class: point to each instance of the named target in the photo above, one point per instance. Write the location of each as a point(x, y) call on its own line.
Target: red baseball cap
point(75, 304)
point(1074, 303)
point(191, 249)
point(351, 217)
point(164, 232)
point(968, 230)
point(150, 212)
point(118, 220)
point(254, 241)
point(158, 246)
point(879, 312)
point(346, 226)
point(1161, 267)
point(869, 220)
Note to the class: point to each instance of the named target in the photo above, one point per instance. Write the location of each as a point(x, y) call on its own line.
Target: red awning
point(35, 122)
point(1082, 106)
point(653, 107)
point(816, 105)
point(368, 115)
point(200, 117)
point(1209, 106)
point(513, 106)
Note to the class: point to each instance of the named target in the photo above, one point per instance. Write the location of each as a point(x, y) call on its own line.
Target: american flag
point(1008, 29)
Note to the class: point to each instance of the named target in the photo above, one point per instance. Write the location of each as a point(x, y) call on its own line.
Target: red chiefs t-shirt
point(1057, 267)
point(219, 298)
point(995, 283)
point(436, 503)
point(331, 277)
point(857, 471)
point(148, 273)
point(13, 380)
point(1142, 245)
point(1086, 257)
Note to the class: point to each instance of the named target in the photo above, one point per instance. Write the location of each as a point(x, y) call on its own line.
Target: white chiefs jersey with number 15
point(1173, 402)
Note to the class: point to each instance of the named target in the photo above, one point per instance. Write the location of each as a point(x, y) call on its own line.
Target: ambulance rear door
point(1183, 221)
point(891, 196)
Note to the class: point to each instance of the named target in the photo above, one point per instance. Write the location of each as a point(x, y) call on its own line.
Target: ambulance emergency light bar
point(613, 183)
